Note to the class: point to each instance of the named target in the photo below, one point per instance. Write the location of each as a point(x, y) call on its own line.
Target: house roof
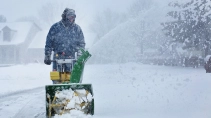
point(39, 40)
point(22, 29)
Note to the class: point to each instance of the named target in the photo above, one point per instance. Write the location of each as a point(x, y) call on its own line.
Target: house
point(15, 39)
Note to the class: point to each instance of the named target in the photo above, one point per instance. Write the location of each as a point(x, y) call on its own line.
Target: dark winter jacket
point(64, 39)
point(207, 66)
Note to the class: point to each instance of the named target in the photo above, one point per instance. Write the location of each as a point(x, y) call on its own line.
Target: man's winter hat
point(67, 13)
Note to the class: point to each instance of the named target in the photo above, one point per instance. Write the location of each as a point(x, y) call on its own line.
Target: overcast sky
point(14, 9)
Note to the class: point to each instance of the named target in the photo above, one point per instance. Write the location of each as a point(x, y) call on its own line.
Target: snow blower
point(69, 94)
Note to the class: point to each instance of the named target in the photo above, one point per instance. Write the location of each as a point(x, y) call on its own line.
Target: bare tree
point(2, 19)
point(52, 11)
point(139, 6)
point(105, 21)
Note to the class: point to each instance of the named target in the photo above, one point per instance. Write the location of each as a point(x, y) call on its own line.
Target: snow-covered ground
point(130, 90)
point(21, 77)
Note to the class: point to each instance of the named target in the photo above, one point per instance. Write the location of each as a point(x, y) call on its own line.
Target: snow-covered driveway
point(129, 90)
point(23, 104)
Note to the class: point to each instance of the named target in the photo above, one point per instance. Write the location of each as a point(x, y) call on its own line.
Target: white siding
point(1, 35)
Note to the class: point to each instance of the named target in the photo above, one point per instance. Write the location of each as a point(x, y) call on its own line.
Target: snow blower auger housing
point(70, 94)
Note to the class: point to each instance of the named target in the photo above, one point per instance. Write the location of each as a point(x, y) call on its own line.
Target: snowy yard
point(129, 90)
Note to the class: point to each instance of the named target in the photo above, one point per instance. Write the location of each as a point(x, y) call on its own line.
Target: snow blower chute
point(70, 94)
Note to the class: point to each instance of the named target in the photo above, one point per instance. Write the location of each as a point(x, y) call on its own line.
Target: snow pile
point(76, 103)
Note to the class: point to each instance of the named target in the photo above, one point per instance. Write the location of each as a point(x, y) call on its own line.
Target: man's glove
point(47, 60)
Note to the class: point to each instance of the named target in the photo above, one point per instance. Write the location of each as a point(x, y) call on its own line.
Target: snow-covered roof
point(21, 28)
point(39, 40)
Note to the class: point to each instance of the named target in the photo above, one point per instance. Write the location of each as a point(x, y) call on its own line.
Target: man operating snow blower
point(67, 94)
point(64, 38)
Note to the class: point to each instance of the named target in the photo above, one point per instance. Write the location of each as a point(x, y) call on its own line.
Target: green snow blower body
point(69, 94)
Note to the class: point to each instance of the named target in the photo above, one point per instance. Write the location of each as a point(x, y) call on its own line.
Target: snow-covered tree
point(190, 24)
point(2, 19)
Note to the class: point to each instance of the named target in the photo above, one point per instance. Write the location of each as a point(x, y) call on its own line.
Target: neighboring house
point(35, 50)
point(15, 38)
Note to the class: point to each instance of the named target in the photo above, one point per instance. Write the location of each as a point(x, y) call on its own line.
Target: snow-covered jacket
point(64, 39)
